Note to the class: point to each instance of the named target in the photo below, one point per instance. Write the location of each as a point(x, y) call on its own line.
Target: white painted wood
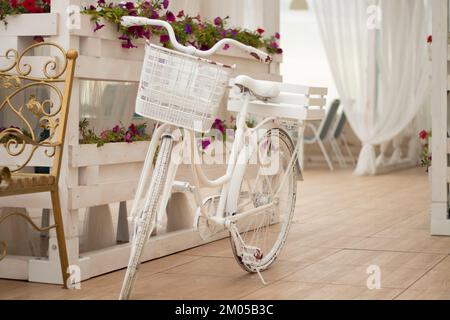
point(440, 221)
point(39, 158)
point(111, 153)
point(44, 24)
point(283, 111)
point(14, 267)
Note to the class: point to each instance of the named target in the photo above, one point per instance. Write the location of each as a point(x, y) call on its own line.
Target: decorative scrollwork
point(51, 71)
point(29, 221)
point(21, 83)
point(10, 82)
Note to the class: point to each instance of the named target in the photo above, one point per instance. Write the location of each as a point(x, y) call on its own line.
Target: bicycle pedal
point(251, 255)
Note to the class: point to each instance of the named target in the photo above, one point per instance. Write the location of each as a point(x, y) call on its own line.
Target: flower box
point(31, 24)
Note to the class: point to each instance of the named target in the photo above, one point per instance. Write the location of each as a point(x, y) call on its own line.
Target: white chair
point(322, 133)
point(337, 135)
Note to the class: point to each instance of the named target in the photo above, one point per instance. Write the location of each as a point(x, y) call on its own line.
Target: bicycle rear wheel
point(261, 237)
point(147, 219)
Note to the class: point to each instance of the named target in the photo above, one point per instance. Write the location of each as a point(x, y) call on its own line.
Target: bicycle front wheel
point(147, 219)
point(272, 183)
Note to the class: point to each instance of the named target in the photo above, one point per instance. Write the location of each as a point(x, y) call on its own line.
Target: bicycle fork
point(146, 220)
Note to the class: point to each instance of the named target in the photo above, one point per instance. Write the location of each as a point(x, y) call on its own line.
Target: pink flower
point(180, 14)
point(133, 129)
point(170, 16)
point(274, 44)
point(423, 135)
point(128, 137)
point(205, 143)
point(98, 26)
point(218, 21)
point(116, 129)
point(277, 36)
point(166, 4)
point(164, 38)
point(226, 47)
point(129, 5)
point(260, 30)
point(219, 125)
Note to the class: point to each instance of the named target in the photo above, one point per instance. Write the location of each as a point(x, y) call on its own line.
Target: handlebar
point(129, 21)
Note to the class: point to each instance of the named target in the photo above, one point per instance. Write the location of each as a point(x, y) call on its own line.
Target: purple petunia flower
point(166, 4)
point(219, 125)
point(205, 143)
point(133, 129)
point(170, 16)
point(116, 129)
point(218, 21)
point(234, 32)
point(277, 35)
point(155, 15)
point(101, 2)
point(188, 28)
point(127, 44)
point(124, 37)
point(164, 38)
point(98, 26)
point(128, 137)
point(224, 33)
point(129, 5)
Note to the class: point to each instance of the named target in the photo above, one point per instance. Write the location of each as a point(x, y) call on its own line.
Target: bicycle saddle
point(263, 90)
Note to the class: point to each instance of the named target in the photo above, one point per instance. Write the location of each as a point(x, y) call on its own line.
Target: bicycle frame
point(238, 160)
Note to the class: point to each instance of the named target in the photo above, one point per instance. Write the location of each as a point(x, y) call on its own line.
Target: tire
point(269, 253)
point(146, 223)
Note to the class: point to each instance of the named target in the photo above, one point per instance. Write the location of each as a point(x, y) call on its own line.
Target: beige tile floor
point(343, 225)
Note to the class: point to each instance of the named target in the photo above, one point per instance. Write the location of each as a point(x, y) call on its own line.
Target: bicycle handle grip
point(129, 21)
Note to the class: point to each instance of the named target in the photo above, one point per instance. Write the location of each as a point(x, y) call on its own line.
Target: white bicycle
point(256, 201)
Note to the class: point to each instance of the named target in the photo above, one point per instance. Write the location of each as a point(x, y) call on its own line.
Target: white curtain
point(377, 52)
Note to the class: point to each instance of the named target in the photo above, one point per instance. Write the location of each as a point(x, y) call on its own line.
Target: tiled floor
point(343, 226)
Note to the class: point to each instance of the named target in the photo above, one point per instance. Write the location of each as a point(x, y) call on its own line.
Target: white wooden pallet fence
point(95, 177)
point(440, 220)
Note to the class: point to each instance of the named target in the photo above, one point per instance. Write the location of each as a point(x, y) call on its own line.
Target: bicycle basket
point(180, 89)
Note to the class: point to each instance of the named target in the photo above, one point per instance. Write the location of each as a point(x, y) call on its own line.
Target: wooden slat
point(448, 145)
point(111, 153)
point(280, 111)
point(39, 159)
point(108, 69)
point(44, 24)
point(96, 195)
point(448, 175)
